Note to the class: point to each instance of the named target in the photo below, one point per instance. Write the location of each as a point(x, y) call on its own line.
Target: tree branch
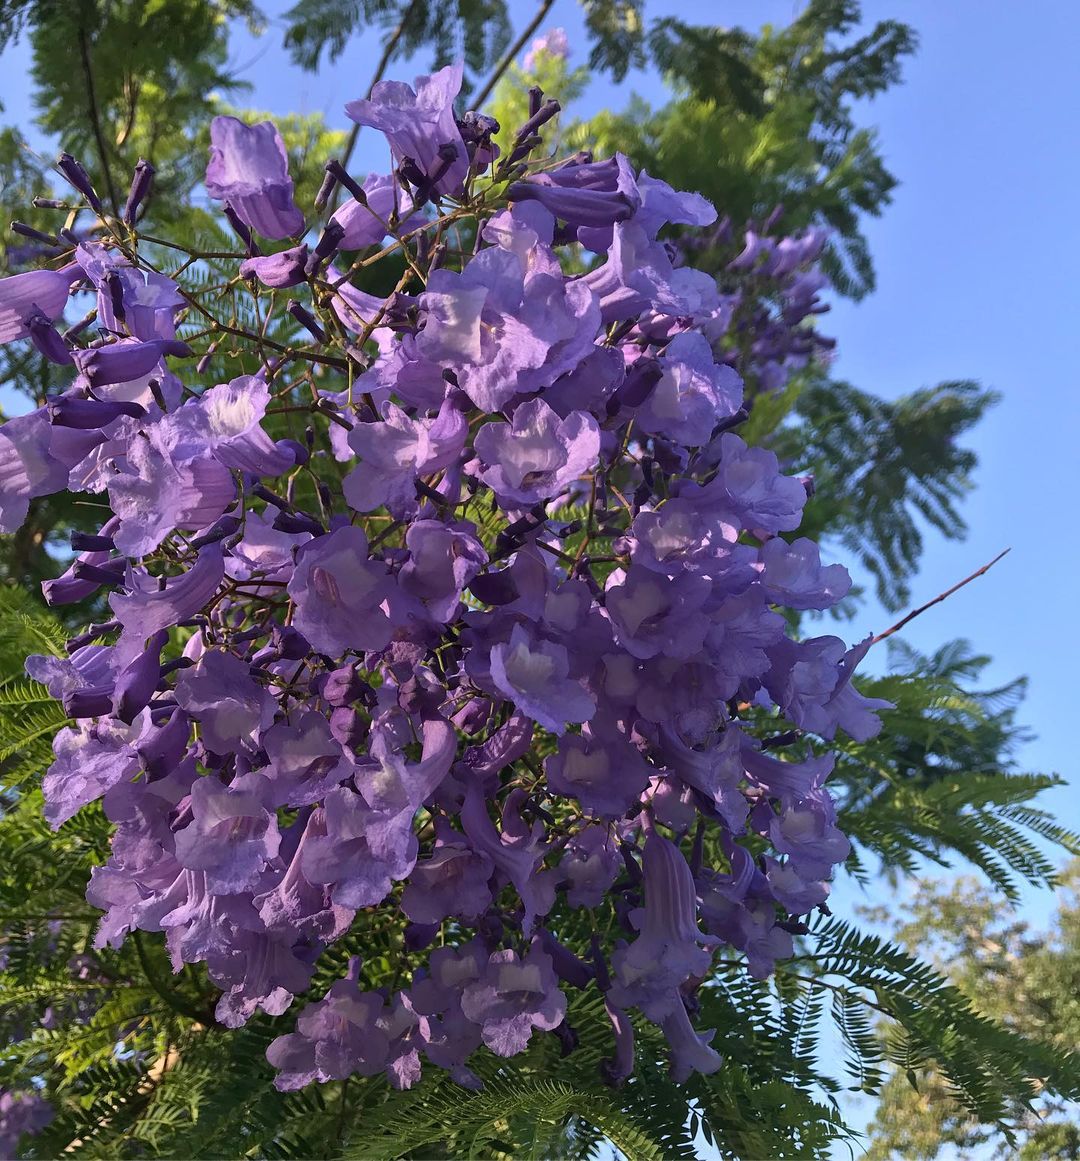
point(545, 7)
point(95, 117)
point(380, 69)
point(938, 599)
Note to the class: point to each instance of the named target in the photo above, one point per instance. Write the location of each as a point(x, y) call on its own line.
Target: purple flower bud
point(35, 235)
point(88, 542)
point(79, 178)
point(326, 189)
point(286, 268)
point(307, 320)
point(326, 247)
point(47, 340)
point(140, 187)
point(136, 684)
point(87, 414)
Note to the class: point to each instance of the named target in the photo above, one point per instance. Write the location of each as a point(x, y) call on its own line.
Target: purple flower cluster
point(21, 1113)
point(520, 652)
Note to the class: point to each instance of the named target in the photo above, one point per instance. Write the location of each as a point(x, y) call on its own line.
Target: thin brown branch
point(380, 69)
point(545, 7)
point(938, 599)
point(95, 117)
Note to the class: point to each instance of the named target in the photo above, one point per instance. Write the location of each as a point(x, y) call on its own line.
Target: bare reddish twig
point(938, 599)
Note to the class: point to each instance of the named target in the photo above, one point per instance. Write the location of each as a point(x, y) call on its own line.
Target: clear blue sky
point(976, 264)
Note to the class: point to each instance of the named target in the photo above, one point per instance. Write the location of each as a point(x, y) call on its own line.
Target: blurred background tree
point(1023, 977)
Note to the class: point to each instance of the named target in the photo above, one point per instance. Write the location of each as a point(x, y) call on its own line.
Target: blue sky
point(976, 274)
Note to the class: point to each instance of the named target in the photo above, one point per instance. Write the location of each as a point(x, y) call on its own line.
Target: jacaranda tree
point(430, 750)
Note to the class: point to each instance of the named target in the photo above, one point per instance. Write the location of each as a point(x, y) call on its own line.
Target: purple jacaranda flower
point(805, 830)
point(679, 536)
point(394, 788)
point(264, 551)
point(597, 193)
point(28, 466)
point(796, 892)
point(537, 455)
point(148, 607)
point(714, 771)
point(157, 491)
point(452, 1036)
point(295, 906)
point(442, 561)
point(277, 271)
point(418, 123)
point(89, 760)
point(407, 1032)
point(305, 759)
point(144, 302)
point(21, 1113)
point(258, 972)
point(339, 592)
point(693, 394)
point(590, 865)
point(743, 630)
point(589, 385)
point(88, 667)
point(517, 851)
point(125, 360)
point(554, 43)
point(452, 881)
point(367, 223)
point(510, 322)
point(661, 204)
point(226, 422)
point(232, 834)
point(639, 278)
point(249, 169)
point(229, 705)
point(343, 858)
point(811, 681)
point(749, 489)
point(37, 292)
point(780, 779)
point(137, 682)
point(336, 1037)
point(395, 452)
point(690, 1051)
point(600, 769)
point(162, 747)
point(481, 763)
point(670, 948)
point(652, 615)
point(512, 997)
point(534, 675)
point(792, 575)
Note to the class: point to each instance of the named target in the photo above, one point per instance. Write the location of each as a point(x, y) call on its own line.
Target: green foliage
point(1027, 979)
point(777, 112)
point(940, 781)
point(618, 33)
point(477, 30)
point(110, 84)
point(884, 470)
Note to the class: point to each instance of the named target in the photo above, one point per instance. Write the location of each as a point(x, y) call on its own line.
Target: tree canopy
point(128, 1052)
